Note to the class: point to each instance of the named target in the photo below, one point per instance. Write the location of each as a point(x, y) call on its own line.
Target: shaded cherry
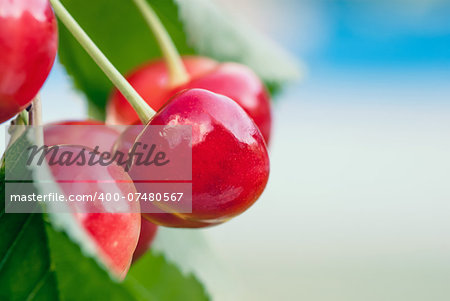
point(90, 133)
point(28, 45)
point(151, 81)
point(236, 81)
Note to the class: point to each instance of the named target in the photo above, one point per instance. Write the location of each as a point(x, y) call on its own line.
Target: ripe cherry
point(90, 133)
point(151, 81)
point(116, 234)
point(242, 85)
point(28, 45)
point(236, 81)
point(230, 163)
point(123, 144)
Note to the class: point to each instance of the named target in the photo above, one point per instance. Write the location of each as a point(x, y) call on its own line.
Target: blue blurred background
point(357, 206)
point(381, 34)
point(358, 202)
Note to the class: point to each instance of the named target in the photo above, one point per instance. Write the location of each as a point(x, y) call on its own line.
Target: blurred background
point(357, 206)
point(358, 203)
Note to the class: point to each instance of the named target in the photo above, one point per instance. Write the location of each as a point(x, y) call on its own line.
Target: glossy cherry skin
point(230, 163)
point(28, 45)
point(148, 233)
point(242, 85)
point(116, 234)
point(236, 81)
point(123, 144)
point(151, 81)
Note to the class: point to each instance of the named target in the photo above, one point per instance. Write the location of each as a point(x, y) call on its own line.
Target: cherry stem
point(22, 118)
point(35, 119)
point(35, 112)
point(177, 71)
point(144, 111)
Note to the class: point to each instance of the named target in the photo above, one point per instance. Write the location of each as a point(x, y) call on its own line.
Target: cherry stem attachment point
point(22, 118)
point(177, 71)
point(144, 111)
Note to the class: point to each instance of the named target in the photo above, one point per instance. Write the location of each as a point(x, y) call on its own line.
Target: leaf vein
point(39, 285)
point(14, 243)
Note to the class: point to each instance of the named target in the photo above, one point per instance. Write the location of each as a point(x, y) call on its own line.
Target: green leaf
point(25, 268)
point(228, 39)
point(50, 257)
point(190, 252)
point(152, 276)
point(80, 277)
point(121, 33)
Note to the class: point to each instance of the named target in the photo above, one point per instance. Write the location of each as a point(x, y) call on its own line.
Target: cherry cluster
point(226, 104)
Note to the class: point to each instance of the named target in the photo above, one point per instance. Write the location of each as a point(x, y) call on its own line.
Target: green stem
point(22, 118)
point(177, 71)
point(144, 111)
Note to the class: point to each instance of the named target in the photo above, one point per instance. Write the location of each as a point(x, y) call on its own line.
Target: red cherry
point(116, 234)
point(148, 233)
point(230, 163)
point(151, 81)
point(90, 133)
point(236, 81)
point(123, 144)
point(28, 44)
point(241, 84)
